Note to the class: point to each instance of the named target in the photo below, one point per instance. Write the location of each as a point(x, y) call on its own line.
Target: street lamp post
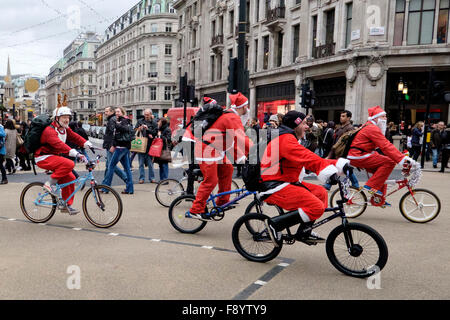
point(400, 88)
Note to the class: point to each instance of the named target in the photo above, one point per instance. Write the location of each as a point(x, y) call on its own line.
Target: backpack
point(342, 146)
point(206, 116)
point(251, 170)
point(32, 140)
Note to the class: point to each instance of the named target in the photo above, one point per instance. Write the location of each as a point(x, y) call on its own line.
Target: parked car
point(92, 132)
point(86, 127)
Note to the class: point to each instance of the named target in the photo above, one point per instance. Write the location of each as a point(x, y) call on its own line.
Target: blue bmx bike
point(102, 205)
point(179, 210)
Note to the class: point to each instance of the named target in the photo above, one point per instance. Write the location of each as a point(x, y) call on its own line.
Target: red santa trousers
point(312, 201)
point(380, 166)
point(62, 171)
point(213, 173)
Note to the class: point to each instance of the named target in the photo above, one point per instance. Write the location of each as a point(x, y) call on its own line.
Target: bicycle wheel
point(356, 250)
point(257, 245)
point(36, 204)
point(103, 210)
point(420, 207)
point(177, 215)
point(261, 208)
point(356, 205)
point(168, 190)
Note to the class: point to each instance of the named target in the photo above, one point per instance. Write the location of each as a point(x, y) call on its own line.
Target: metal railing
point(275, 14)
point(322, 51)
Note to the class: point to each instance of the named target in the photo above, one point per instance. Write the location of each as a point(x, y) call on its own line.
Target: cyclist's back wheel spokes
point(356, 205)
point(420, 207)
point(37, 205)
point(356, 250)
point(255, 245)
point(177, 215)
point(261, 208)
point(168, 190)
point(103, 210)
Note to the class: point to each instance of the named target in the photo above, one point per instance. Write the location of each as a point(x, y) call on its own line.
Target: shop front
point(277, 98)
point(329, 98)
point(410, 106)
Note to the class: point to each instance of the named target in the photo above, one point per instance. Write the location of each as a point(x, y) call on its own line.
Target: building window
point(154, 49)
point(399, 22)
point(168, 27)
point(81, 104)
point(267, 8)
point(168, 68)
point(255, 64)
point(213, 67)
point(152, 66)
point(152, 91)
point(266, 52)
point(257, 11)
point(296, 40)
point(168, 49)
point(329, 31)
point(280, 49)
point(91, 105)
point(420, 21)
point(167, 93)
point(90, 66)
point(90, 78)
point(231, 30)
point(314, 35)
point(443, 21)
point(219, 67)
point(348, 33)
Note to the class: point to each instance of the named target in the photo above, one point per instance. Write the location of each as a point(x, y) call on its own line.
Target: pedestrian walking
point(165, 134)
point(445, 140)
point(120, 149)
point(148, 128)
point(436, 143)
point(108, 143)
point(328, 138)
point(2, 154)
point(417, 140)
point(11, 145)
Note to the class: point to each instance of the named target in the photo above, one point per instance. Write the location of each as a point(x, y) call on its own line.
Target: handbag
point(166, 156)
point(139, 145)
point(19, 141)
point(156, 148)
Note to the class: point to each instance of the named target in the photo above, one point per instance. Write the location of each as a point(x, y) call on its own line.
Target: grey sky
point(34, 33)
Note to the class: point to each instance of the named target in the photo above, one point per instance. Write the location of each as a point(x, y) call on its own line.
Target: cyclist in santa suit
point(53, 144)
point(282, 171)
point(225, 138)
point(362, 153)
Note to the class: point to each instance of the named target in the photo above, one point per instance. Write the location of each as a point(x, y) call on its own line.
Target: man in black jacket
point(108, 142)
point(148, 128)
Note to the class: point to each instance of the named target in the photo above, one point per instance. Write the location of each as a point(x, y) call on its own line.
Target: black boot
point(4, 181)
point(306, 235)
point(284, 221)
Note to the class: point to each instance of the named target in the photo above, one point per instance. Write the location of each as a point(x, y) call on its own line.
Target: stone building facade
point(353, 53)
point(137, 60)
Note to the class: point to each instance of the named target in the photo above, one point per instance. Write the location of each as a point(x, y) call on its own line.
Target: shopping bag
point(166, 156)
point(156, 148)
point(139, 144)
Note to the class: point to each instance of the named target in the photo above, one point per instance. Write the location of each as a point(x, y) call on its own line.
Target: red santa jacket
point(368, 139)
point(285, 159)
point(225, 135)
point(53, 141)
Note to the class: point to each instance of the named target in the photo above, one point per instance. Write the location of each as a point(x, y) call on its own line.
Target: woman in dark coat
point(165, 134)
point(417, 140)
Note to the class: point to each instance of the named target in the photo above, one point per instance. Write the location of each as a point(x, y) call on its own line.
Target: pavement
point(144, 257)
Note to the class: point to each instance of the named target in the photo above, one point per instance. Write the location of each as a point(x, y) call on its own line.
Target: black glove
point(333, 180)
point(348, 169)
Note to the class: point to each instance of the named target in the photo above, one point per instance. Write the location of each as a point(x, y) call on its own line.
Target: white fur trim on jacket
point(326, 173)
point(272, 191)
point(73, 153)
point(340, 164)
point(303, 215)
point(377, 115)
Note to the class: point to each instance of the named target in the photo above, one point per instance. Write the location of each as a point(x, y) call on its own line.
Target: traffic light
point(307, 96)
point(183, 88)
point(438, 89)
point(191, 93)
point(232, 75)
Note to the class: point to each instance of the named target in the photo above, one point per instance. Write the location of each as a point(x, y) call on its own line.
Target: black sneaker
point(199, 216)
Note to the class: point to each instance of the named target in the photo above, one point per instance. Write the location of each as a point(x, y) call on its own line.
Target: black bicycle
point(354, 249)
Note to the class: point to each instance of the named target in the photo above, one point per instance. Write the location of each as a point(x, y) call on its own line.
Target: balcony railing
point(275, 14)
point(325, 50)
point(153, 74)
point(217, 40)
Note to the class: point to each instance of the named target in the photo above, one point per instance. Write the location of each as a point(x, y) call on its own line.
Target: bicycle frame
point(245, 194)
point(80, 181)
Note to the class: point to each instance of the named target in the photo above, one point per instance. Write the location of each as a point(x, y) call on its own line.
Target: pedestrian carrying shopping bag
point(139, 144)
point(156, 148)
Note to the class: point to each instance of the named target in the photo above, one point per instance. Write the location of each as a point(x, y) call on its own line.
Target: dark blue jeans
point(122, 155)
point(122, 175)
point(163, 171)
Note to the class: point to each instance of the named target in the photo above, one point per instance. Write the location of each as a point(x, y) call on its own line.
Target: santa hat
point(207, 100)
point(376, 112)
point(238, 100)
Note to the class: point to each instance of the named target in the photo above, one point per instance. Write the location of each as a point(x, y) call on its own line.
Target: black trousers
point(445, 157)
point(2, 168)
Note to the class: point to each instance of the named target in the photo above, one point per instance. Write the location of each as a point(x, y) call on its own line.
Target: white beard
point(245, 118)
point(382, 125)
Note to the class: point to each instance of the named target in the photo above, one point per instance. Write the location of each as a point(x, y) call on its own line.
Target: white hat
point(63, 111)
